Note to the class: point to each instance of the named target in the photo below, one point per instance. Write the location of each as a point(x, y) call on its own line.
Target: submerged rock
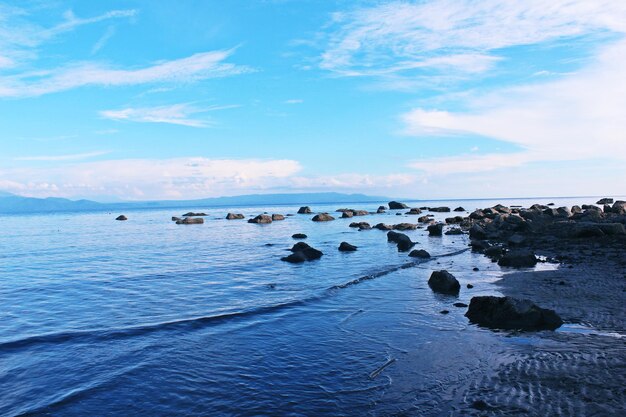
point(346, 247)
point(190, 220)
point(511, 313)
point(121, 218)
point(304, 210)
point(444, 282)
point(419, 253)
point(394, 205)
point(323, 217)
point(192, 214)
point(299, 236)
point(518, 259)
point(261, 219)
point(234, 216)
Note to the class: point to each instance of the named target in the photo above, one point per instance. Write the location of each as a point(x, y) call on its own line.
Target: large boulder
point(234, 216)
point(304, 210)
point(323, 217)
point(444, 282)
point(518, 259)
point(346, 247)
point(121, 218)
point(511, 313)
point(261, 219)
point(394, 205)
point(276, 217)
point(435, 229)
point(190, 220)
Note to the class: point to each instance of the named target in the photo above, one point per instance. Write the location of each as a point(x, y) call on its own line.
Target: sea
point(146, 317)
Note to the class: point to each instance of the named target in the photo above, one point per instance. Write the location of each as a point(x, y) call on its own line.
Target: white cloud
point(294, 101)
point(577, 117)
point(103, 40)
point(196, 67)
point(70, 157)
point(178, 114)
point(455, 37)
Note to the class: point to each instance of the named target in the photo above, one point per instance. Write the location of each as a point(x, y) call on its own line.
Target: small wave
point(94, 335)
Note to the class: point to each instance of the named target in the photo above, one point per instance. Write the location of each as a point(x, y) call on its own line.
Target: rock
point(121, 218)
point(403, 241)
point(454, 231)
point(404, 226)
point(190, 220)
point(235, 216)
point(380, 210)
point(518, 259)
point(477, 232)
point(440, 209)
point(454, 220)
point(383, 226)
point(425, 219)
point(603, 201)
point(576, 210)
point(413, 211)
point(435, 229)
point(612, 229)
point(586, 230)
point(516, 239)
point(511, 313)
point(444, 282)
point(444, 312)
point(323, 217)
point(494, 252)
point(479, 245)
point(347, 214)
point(261, 219)
point(346, 247)
point(175, 219)
point(563, 212)
point(394, 205)
point(502, 209)
point(619, 207)
point(299, 236)
point(304, 210)
point(460, 305)
point(477, 215)
point(459, 209)
point(192, 214)
point(419, 253)
point(302, 252)
point(360, 212)
point(361, 225)
point(469, 286)
point(277, 217)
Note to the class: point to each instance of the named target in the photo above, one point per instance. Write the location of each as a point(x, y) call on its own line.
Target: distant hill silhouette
point(13, 204)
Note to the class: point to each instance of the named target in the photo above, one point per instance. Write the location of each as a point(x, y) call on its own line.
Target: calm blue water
point(146, 317)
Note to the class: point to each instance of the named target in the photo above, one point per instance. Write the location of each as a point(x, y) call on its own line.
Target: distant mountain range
point(14, 204)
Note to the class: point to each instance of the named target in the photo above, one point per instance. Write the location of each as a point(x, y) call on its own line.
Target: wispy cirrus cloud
point(454, 37)
point(70, 157)
point(195, 67)
point(177, 114)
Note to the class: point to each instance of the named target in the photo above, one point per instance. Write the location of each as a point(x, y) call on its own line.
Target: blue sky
point(137, 100)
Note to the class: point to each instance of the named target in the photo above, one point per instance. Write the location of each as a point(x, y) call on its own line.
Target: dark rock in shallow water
point(459, 209)
point(347, 214)
point(394, 205)
point(277, 217)
point(444, 282)
point(323, 217)
point(603, 201)
point(381, 209)
point(440, 209)
point(404, 226)
point(383, 226)
point(304, 210)
point(190, 220)
point(175, 219)
point(518, 259)
point(460, 305)
point(299, 236)
point(425, 219)
point(302, 252)
point(361, 225)
point(419, 253)
point(494, 251)
point(121, 218)
point(435, 229)
point(403, 241)
point(477, 232)
point(454, 231)
point(444, 312)
point(234, 216)
point(413, 211)
point(261, 219)
point(511, 313)
point(619, 207)
point(346, 247)
point(192, 214)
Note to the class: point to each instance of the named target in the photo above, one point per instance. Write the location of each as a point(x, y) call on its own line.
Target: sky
point(154, 99)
